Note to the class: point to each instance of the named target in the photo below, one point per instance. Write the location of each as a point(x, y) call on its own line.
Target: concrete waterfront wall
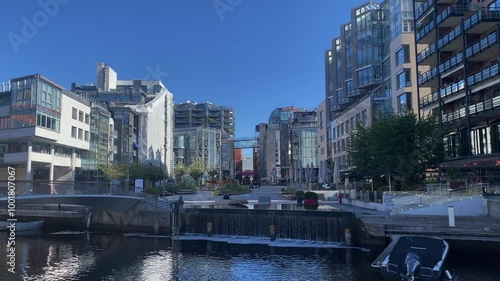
point(306, 225)
point(142, 220)
point(469, 207)
point(493, 208)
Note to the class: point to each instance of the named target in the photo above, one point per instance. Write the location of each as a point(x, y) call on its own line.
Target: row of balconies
point(471, 24)
point(448, 13)
point(472, 51)
point(472, 80)
point(476, 108)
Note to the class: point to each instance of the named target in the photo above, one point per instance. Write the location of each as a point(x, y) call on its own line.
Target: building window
point(404, 102)
point(73, 132)
point(80, 134)
point(352, 123)
point(87, 118)
point(364, 116)
point(86, 136)
point(347, 126)
point(404, 78)
point(75, 113)
point(80, 116)
point(403, 55)
point(48, 122)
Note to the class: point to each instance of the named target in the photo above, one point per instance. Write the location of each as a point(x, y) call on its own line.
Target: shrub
point(290, 191)
point(310, 195)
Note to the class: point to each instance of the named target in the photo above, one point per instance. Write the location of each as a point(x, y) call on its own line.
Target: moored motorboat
point(413, 258)
point(20, 226)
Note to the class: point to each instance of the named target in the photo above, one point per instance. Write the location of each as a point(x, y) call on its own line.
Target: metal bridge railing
point(66, 188)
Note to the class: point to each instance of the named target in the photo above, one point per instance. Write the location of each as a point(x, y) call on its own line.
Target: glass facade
point(305, 146)
point(34, 102)
point(401, 15)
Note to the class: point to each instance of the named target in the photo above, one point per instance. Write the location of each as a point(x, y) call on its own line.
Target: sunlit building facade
point(458, 61)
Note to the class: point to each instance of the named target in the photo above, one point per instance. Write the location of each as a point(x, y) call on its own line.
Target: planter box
point(310, 201)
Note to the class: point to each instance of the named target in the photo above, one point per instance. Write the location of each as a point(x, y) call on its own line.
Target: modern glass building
point(370, 70)
point(198, 145)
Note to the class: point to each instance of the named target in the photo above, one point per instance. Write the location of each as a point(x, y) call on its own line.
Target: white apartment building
point(43, 130)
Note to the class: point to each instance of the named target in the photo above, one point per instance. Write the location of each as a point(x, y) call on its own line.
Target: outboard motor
point(412, 263)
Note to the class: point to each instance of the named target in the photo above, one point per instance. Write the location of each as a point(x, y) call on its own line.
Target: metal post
point(164, 167)
point(128, 156)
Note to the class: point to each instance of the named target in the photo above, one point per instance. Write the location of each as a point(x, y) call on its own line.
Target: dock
point(466, 228)
point(376, 263)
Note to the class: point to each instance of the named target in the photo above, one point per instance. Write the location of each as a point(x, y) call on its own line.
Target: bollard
point(451, 216)
point(272, 230)
point(156, 227)
point(209, 229)
point(347, 233)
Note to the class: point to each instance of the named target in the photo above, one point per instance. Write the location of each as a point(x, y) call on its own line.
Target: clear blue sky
point(254, 57)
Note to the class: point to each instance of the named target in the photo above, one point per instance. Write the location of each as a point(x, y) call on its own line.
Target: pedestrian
point(259, 184)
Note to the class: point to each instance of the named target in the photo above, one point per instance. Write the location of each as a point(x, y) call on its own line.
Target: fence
point(67, 187)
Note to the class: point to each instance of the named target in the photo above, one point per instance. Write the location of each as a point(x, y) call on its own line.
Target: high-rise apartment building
point(458, 62)
point(192, 114)
point(369, 71)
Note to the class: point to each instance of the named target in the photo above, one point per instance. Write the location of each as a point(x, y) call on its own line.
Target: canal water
point(97, 256)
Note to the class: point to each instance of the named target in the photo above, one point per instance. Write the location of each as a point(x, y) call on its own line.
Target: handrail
point(423, 8)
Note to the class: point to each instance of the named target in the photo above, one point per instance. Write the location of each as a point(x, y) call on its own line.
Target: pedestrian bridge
point(116, 203)
point(111, 198)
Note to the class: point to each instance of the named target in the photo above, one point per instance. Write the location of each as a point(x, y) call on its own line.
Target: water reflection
point(112, 257)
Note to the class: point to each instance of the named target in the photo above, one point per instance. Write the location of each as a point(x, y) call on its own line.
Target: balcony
point(427, 56)
point(16, 157)
point(424, 8)
point(428, 79)
point(452, 89)
point(451, 63)
point(482, 20)
point(449, 42)
point(429, 100)
point(451, 16)
point(476, 108)
point(427, 34)
point(357, 92)
point(484, 75)
point(481, 50)
point(454, 115)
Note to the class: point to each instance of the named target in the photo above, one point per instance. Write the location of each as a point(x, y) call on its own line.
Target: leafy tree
point(145, 171)
point(214, 172)
point(396, 146)
point(112, 172)
point(196, 170)
point(180, 170)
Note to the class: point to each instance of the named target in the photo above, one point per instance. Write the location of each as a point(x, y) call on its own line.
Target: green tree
point(112, 172)
point(196, 170)
point(396, 146)
point(180, 170)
